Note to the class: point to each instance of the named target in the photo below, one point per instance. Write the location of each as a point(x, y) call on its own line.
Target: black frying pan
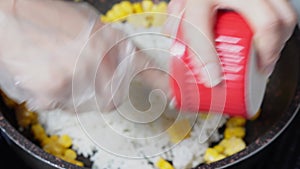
point(280, 106)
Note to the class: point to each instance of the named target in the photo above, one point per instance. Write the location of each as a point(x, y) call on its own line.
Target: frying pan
point(280, 106)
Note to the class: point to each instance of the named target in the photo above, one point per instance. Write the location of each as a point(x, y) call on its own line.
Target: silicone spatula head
point(242, 90)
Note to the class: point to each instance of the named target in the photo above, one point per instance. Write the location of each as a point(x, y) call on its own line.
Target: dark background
point(283, 153)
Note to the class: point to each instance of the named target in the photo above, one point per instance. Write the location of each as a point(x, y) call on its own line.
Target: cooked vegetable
point(147, 5)
point(59, 146)
point(137, 7)
point(238, 132)
point(219, 148)
point(163, 164)
point(232, 143)
point(212, 155)
point(149, 13)
point(65, 141)
point(236, 122)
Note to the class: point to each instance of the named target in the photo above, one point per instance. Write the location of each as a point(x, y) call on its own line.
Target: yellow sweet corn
point(236, 122)
point(179, 130)
point(76, 162)
point(163, 164)
point(239, 132)
point(110, 16)
point(70, 154)
point(65, 141)
point(211, 155)
point(54, 148)
point(70, 157)
point(126, 7)
point(119, 13)
point(104, 19)
point(55, 145)
point(38, 132)
point(151, 13)
point(232, 145)
point(137, 7)
point(45, 141)
point(54, 138)
point(147, 5)
point(220, 149)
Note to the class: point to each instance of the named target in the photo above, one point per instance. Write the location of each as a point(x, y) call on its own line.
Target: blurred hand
point(272, 21)
point(57, 54)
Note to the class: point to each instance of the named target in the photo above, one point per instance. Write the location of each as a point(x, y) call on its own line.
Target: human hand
point(56, 54)
point(272, 22)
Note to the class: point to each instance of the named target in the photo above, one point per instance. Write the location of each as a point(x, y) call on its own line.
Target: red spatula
point(242, 90)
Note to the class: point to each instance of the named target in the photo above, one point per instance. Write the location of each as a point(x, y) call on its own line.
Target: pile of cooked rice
point(110, 141)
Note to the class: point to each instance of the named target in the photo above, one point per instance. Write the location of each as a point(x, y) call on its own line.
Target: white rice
point(112, 142)
point(93, 136)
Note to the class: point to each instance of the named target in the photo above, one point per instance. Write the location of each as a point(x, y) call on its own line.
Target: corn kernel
point(104, 19)
point(239, 132)
point(54, 138)
point(70, 154)
point(73, 161)
point(236, 122)
point(232, 145)
point(111, 15)
point(119, 12)
point(45, 141)
point(76, 162)
point(38, 132)
point(163, 164)
point(137, 7)
point(147, 5)
point(163, 6)
point(126, 7)
point(179, 130)
point(54, 148)
point(65, 141)
point(220, 149)
point(211, 155)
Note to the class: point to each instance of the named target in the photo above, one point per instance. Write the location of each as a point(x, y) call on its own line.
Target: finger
point(175, 9)
point(267, 27)
point(287, 15)
point(197, 27)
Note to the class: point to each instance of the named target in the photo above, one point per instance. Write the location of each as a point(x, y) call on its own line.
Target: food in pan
point(187, 141)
